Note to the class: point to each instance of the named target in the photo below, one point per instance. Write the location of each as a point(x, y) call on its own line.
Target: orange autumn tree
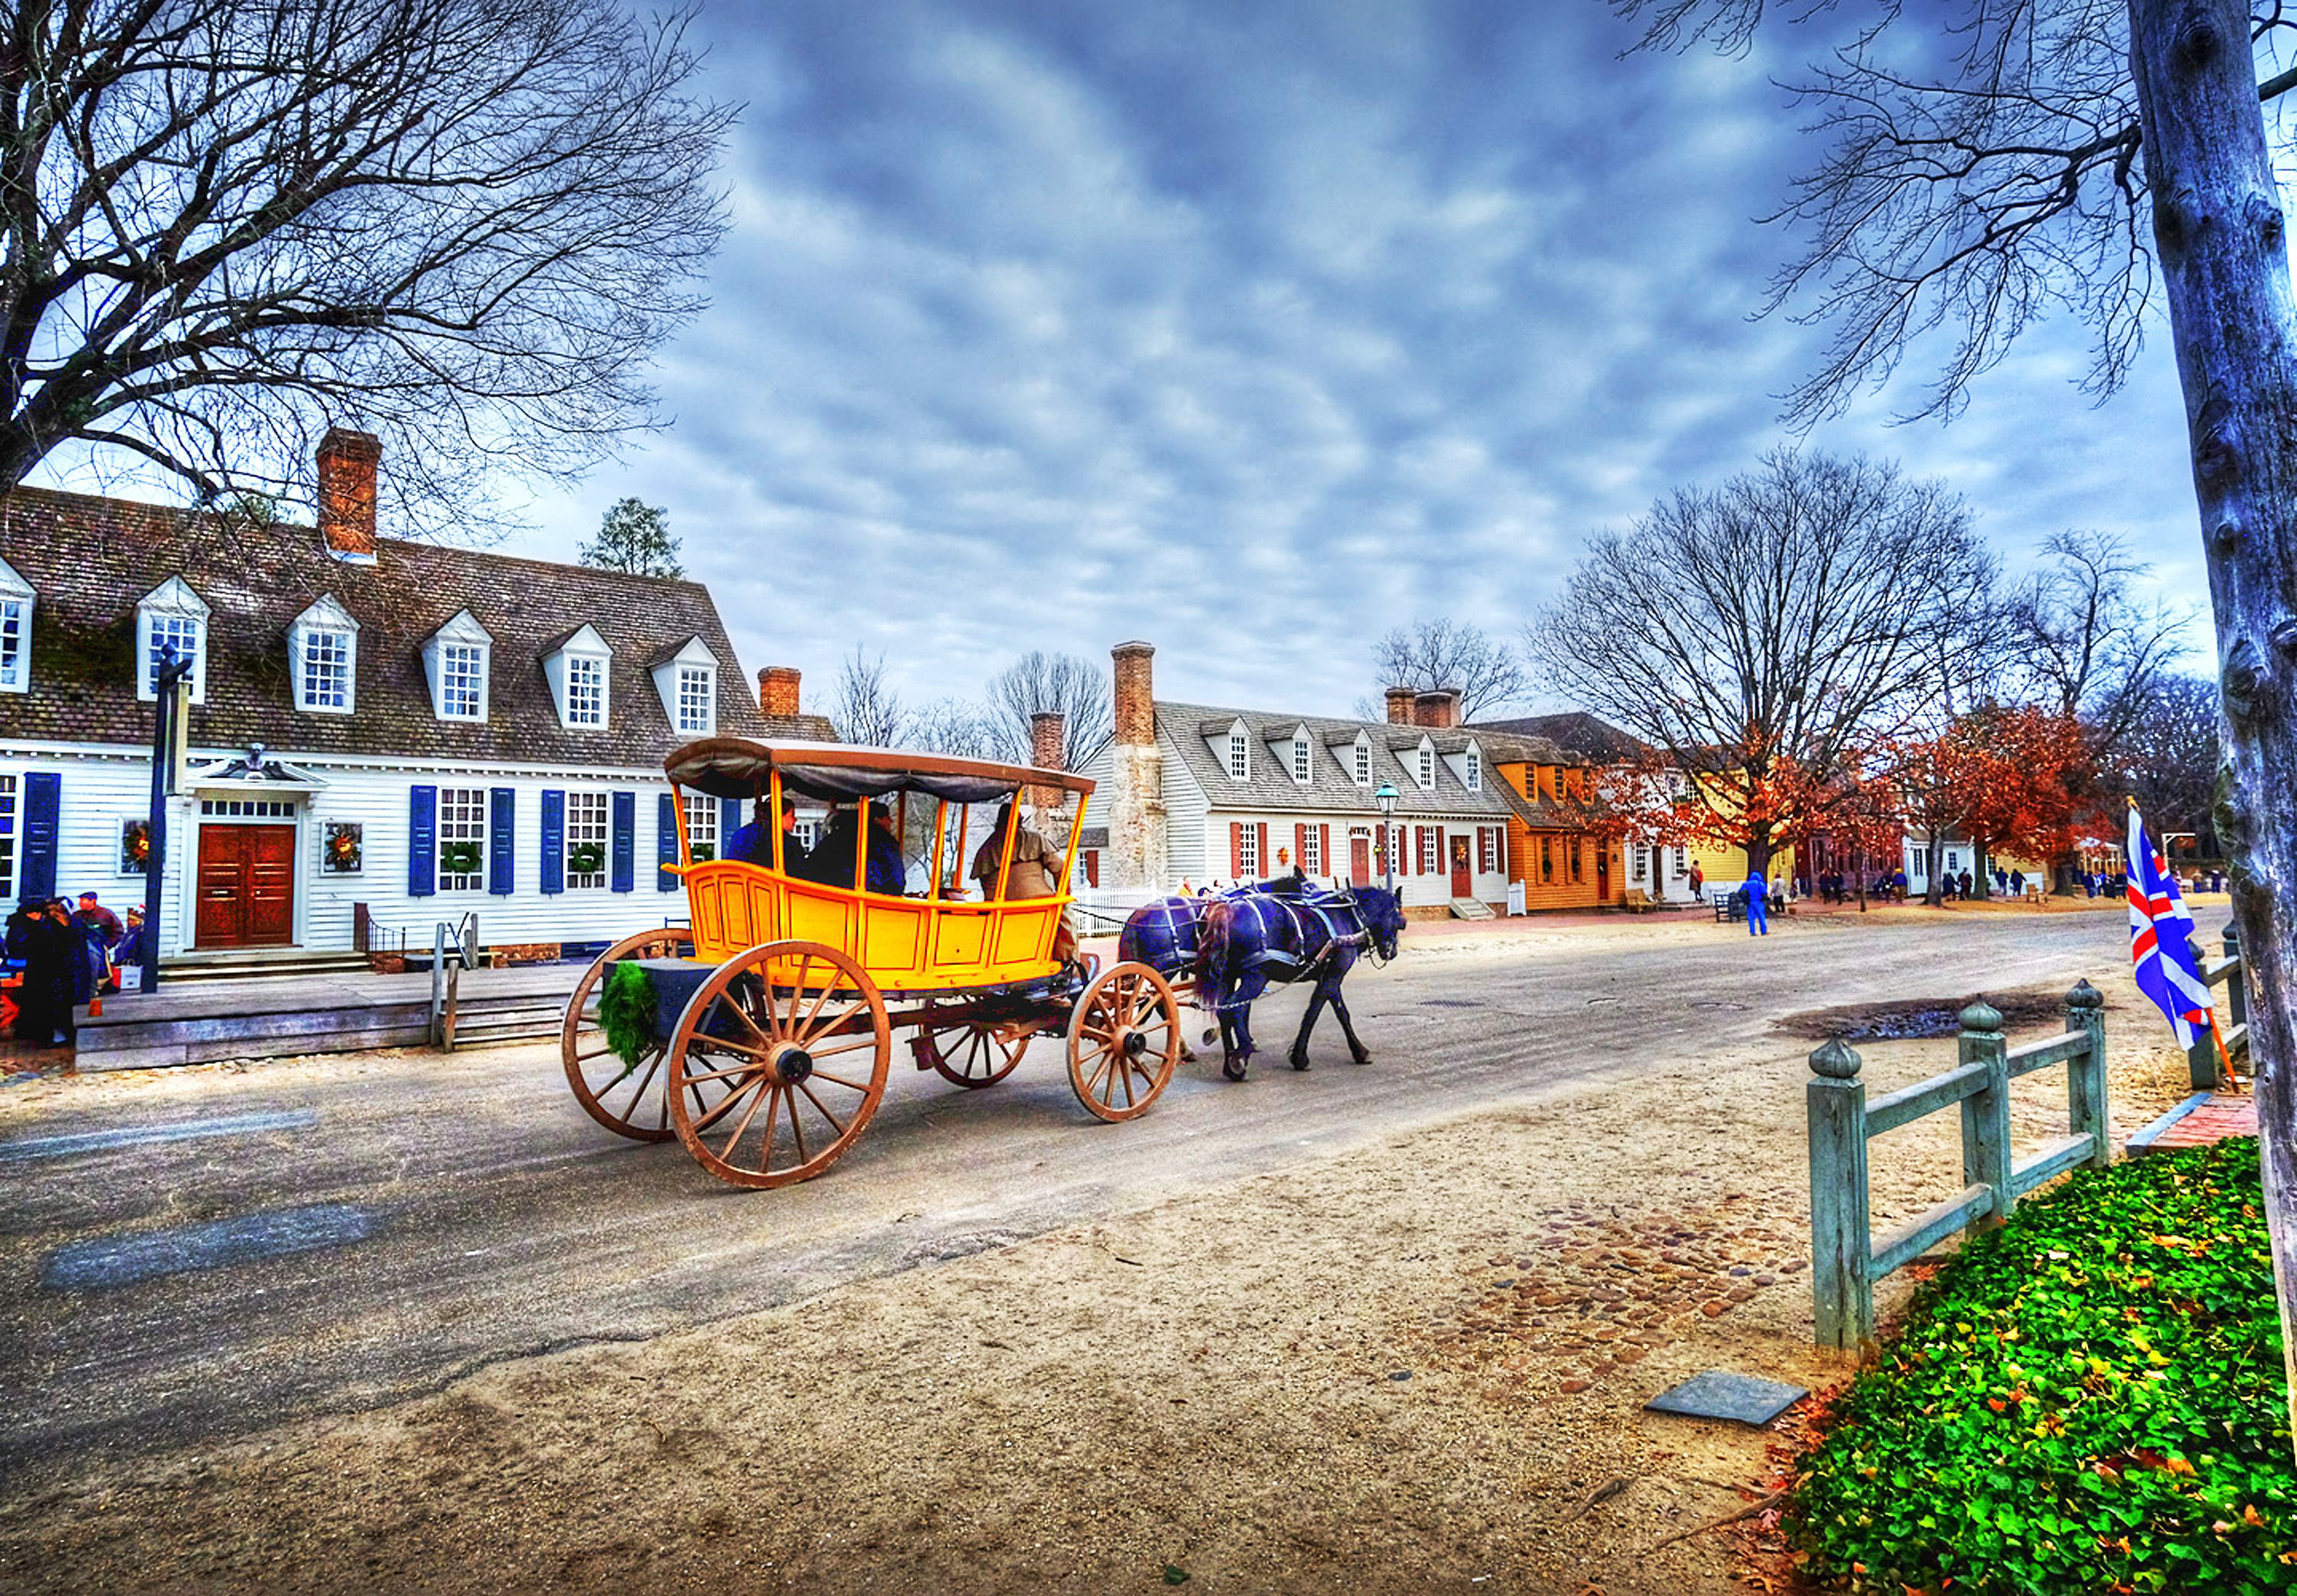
point(2006, 777)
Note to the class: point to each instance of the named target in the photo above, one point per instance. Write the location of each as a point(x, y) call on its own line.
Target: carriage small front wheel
point(1124, 1038)
point(778, 1062)
point(976, 1055)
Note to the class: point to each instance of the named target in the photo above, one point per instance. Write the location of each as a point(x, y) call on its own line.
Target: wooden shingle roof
point(89, 560)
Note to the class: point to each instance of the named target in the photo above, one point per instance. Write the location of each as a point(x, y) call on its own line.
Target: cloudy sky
point(1254, 330)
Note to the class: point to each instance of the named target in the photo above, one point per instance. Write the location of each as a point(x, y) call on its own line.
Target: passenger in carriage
point(1036, 872)
point(754, 843)
point(831, 862)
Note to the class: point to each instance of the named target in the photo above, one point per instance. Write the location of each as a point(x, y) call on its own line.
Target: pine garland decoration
point(626, 1008)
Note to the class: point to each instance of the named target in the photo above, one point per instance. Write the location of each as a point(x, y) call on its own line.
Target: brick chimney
point(1045, 729)
point(1399, 706)
point(1136, 700)
point(778, 691)
point(1133, 796)
point(347, 463)
point(1436, 708)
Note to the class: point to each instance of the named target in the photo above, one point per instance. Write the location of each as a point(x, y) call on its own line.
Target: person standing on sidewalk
point(1758, 904)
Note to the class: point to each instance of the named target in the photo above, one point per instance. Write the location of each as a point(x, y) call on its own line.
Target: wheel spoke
point(828, 1027)
point(798, 1129)
point(837, 1124)
point(797, 996)
point(720, 1002)
point(749, 1114)
point(854, 1046)
point(726, 1103)
point(860, 1086)
point(726, 1074)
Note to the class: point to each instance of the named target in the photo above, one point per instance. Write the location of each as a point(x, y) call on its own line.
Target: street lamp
point(169, 674)
point(1386, 798)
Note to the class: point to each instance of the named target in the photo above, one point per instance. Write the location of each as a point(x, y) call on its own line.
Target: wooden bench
point(1637, 900)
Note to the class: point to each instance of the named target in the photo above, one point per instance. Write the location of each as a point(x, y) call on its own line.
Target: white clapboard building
point(384, 735)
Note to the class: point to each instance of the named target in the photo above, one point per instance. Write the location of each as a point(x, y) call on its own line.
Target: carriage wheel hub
point(1135, 1044)
point(793, 1065)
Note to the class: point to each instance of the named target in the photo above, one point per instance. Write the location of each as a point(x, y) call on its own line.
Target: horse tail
point(1211, 967)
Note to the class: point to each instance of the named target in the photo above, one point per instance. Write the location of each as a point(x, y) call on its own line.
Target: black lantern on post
point(169, 674)
point(1386, 798)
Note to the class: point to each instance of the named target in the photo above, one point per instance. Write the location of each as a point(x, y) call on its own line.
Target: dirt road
point(189, 1256)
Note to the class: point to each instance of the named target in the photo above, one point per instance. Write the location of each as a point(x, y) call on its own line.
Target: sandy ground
point(1411, 1367)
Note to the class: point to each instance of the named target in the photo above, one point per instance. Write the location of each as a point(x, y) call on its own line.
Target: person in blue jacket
point(1758, 904)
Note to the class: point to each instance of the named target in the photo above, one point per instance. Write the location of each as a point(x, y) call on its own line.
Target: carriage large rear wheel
point(778, 1062)
point(627, 1099)
point(1124, 1038)
point(976, 1055)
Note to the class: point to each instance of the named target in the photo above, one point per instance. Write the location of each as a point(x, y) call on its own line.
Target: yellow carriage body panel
point(903, 944)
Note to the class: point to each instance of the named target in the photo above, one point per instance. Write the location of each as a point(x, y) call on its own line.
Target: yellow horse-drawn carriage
point(773, 1014)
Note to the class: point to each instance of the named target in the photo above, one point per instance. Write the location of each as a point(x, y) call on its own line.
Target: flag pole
point(2225, 1059)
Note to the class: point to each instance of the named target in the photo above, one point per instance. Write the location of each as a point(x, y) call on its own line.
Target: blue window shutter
point(626, 841)
point(730, 821)
point(43, 805)
point(554, 841)
point(422, 841)
point(665, 843)
point(502, 816)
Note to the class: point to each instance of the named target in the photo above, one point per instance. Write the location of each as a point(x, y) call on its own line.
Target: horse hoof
point(1209, 1037)
point(1299, 1061)
point(1233, 1068)
point(1363, 1059)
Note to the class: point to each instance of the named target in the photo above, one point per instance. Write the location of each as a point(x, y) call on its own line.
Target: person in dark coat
point(43, 936)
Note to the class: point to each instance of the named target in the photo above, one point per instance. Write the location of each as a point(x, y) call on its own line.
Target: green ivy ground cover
point(2089, 1400)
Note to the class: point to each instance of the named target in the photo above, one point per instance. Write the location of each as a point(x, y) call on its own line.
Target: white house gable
point(323, 659)
point(686, 682)
point(458, 660)
point(578, 671)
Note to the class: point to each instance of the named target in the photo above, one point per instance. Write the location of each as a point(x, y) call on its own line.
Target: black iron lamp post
point(1386, 798)
point(168, 672)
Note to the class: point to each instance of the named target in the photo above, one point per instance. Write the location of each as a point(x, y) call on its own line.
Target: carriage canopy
point(841, 772)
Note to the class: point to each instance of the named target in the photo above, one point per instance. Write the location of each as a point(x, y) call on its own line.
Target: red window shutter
point(1324, 850)
point(1418, 847)
point(1235, 849)
point(1092, 866)
point(1262, 848)
point(1300, 844)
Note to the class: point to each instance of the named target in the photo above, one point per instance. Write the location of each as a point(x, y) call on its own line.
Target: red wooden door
point(1360, 860)
point(1464, 882)
point(247, 887)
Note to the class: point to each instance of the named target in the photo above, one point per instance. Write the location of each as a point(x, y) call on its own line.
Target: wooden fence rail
point(1846, 1257)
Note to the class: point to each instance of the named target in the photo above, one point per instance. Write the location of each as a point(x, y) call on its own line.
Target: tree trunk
point(1982, 881)
point(2217, 229)
point(1933, 861)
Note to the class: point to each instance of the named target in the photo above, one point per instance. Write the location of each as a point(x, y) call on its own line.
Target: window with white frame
point(1363, 764)
point(1311, 850)
point(7, 839)
point(1240, 756)
point(1300, 766)
point(172, 619)
point(1427, 772)
point(701, 826)
point(586, 690)
point(697, 693)
point(1681, 860)
point(1475, 766)
point(586, 840)
point(462, 839)
point(1247, 851)
point(15, 643)
point(462, 682)
point(324, 676)
point(1431, 850)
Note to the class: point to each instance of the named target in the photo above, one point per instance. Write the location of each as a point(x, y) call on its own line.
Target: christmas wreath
point(585, 859)
point(459, 858)
point(136, 846)
point(343, 848)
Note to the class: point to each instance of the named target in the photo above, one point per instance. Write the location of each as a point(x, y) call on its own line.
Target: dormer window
point(687, 681)
point(323, 656)
point(1239, 752)
point(1425, 774)
point(458, 660)
point(1473, 774)
point(16, 600)
point(1302, 769)
point(172, 620)
point(1361, 761)
point(577, 673)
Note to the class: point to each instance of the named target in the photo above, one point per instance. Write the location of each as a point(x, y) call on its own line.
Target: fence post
point(2202, 1058)
point(2236, 980)
point(1841, 1239)
point(437, 983)
point(1986, 1112)
point(2086, 1074)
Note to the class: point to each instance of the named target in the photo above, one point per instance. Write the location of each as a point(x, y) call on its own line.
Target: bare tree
point(1763, 635)
point(2169, 758)
point(964, 726)
point(868, 710)
point(2073, 155)
point(1075, 688)
point(2089, 646)
point(226, 224)
point(1444, 653)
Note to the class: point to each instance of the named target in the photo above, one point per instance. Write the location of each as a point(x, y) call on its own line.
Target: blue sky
point(1254, 330)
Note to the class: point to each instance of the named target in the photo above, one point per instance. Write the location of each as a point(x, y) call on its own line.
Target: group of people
point(64, 957)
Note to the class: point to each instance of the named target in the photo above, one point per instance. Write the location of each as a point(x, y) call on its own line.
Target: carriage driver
point(1036, 872)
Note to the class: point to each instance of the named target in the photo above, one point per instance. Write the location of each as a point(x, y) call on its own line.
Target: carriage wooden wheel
point(978, 1055)
point(1124, 1038)
point(778, 1062)
point(629, 1101)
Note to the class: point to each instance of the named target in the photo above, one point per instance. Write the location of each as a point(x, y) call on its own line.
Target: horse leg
point(1321, 994)
point(1235, 1024)
point(1356, 1050)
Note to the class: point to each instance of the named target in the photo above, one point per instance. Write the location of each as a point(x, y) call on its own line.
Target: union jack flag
point(2161, 940)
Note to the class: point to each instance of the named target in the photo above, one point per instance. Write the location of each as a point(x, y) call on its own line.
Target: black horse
point(1247, 939)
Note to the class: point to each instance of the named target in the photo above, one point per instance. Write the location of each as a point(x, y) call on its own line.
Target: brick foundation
point(387, 964)
point(503, 953)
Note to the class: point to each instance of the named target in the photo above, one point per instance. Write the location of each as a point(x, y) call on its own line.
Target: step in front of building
point(246, 964)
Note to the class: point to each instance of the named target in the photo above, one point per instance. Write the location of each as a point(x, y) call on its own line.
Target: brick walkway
point(2198, 1122)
